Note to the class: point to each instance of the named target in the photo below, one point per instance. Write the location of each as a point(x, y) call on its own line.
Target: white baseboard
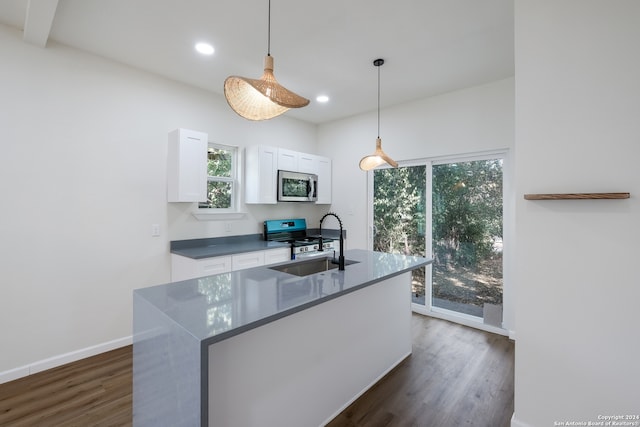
point(62, 359)
point(357, 396)
point(14, 374)
point(517, 423)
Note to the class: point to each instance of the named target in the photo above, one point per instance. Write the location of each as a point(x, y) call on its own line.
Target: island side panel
point(304, 369)
point(166, 370)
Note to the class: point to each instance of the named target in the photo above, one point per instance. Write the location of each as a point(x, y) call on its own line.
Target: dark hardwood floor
point(456, 376)
point(95, 391)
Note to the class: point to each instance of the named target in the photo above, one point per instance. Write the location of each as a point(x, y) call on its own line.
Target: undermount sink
point(312, 266)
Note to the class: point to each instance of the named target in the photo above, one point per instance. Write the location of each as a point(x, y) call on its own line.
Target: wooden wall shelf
point(576, 196)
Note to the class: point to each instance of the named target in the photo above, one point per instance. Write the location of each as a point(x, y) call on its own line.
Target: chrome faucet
point(320, 245)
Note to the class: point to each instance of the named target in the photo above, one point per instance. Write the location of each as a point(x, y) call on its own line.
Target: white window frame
point(233, 212)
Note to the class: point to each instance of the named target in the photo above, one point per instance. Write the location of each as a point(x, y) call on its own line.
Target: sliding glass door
point(467, 237)
point(450, 211)
point(400, 217)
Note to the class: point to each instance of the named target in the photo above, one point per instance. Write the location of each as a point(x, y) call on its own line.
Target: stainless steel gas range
point(294, 231)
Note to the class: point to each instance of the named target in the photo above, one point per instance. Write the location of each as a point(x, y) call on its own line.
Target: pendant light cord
point(269, 31)
point(378, 99)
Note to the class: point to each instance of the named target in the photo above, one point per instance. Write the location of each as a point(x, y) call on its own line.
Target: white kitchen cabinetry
point(308, 163)
point(324, 180)
point(187, 166)
point(295, 161)
point(247, 260)
point(288, 160)
point(273, 256)
point(261, 171)
point(183, 268)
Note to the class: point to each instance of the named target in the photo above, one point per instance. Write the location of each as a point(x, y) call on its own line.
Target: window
point(222, 179)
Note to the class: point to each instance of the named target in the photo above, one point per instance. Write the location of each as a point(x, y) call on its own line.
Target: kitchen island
point(262, 347)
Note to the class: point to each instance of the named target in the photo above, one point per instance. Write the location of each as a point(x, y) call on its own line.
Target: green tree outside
point(400, 216)
point(219, 190)
point(467, 210)
point(466, 220)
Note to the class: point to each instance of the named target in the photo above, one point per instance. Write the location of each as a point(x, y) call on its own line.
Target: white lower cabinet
point(274, 256)
point(184, 268)
point(247, 260)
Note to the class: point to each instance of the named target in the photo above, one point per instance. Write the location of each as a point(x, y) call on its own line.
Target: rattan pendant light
point(263, 98)
point(378, 157)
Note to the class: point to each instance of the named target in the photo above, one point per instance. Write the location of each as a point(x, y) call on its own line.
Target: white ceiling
point(322, 47)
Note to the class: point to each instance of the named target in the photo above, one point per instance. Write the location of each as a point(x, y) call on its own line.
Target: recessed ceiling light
point(205, 48)
point(322, 98)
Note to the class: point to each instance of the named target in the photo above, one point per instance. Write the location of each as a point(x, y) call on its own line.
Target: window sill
point(204, 215)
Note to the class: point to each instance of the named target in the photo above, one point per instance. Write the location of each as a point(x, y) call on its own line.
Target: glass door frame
point(428, 309)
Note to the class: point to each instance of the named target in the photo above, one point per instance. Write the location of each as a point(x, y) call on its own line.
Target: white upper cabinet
point(294, 161)
point(261, 171)
point(307, 163)
point(324, 180)
point(187, 166)
point(288, 160)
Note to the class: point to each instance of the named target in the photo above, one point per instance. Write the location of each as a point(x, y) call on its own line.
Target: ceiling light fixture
point(322, 98)
point(205, 48)
point(378, 157)
point(263, 98)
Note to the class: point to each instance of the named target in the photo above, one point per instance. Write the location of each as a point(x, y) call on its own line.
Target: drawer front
point(247, 260)
point(211, 266)
point(274, 256)
point(183, 268)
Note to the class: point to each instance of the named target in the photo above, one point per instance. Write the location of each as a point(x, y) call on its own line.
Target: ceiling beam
point(38, 21)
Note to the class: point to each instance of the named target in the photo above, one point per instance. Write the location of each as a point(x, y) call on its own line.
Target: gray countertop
point(222, 249)
point(218, 307)
point(221, 246)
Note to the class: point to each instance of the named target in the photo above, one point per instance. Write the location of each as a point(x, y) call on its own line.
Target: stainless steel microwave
point(297, 187)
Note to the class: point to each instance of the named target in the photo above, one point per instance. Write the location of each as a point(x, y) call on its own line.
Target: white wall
point(279, 132)
point(466, 121)
point(472, 120)
point(83, 170)
point(577, 130)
